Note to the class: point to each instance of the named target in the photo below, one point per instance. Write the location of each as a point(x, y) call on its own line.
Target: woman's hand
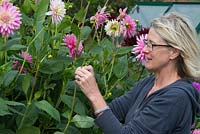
point(85, 79)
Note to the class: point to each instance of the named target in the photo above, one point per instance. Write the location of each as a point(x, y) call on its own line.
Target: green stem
point(72, 109)
point(24, 116)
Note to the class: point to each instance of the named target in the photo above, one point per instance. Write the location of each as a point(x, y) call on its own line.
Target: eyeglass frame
point(150, 45)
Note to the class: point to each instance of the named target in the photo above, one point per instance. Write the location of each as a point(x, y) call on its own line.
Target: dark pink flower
point(196, 85)
point(17, 65)
point(122, 14)
point(99, 18)
point(128, 29)
point(10, 18)
point(26, 56)
point(70, 41)
point(139, 47)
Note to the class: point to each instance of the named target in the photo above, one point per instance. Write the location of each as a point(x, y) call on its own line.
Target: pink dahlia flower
point(10, 18)
point(26, 56)
point(139, 47)
point(57, 11)
point(70, 41)
point(196, 131)
point(128, 29)
point(122, 14)
point(196, 85)
point(99, 18)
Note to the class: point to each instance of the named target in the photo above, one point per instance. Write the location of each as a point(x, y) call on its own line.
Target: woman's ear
point(174, 53)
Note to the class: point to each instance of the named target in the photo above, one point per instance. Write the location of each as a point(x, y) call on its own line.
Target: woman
point(163, 103)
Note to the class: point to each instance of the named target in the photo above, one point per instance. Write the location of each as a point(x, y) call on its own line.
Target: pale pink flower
point(10, 18)
point(70, 41)
point(128, 29)
point(57, 11)
point(196, 131)
point(139, 47)
point(122, 14)
point(26, 56)
point(196, 85)
point(99, 18)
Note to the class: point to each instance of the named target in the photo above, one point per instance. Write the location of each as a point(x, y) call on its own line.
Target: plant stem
point(72, 109)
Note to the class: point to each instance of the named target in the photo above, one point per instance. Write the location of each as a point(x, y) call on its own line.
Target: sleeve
point(121, 105)
point(161, 115)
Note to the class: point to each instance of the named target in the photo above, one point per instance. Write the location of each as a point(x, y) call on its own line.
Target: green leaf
point(80, 15)
point(29, 130)
point(124, 50)
point(85, 32)
point(121, 67)
point(52, 66)
point(58, 133)
point(9, 77)
point(83, 121)
point(75, 29)
point(26, 83)
point(6, 131)
point(3, 108)
point(79, 106)
point(45, 106)
point(12, 47)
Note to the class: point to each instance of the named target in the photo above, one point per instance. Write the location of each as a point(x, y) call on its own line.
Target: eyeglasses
point(150, 45)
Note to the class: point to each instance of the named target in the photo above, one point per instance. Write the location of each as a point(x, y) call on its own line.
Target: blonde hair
point(178, 32)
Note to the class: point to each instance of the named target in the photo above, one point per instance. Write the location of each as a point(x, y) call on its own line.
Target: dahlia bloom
point(70, 41)
point(17, 65)
point(99, 18)
point(197, 86)
point(139, 47)
point(128, 27)
point(122, 13)
point(57, 11)
point(112, 28)
point(10, 18)
point(26, 56)
point(196, 131)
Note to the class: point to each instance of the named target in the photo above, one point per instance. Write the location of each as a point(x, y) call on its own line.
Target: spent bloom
point(139, 47)
point(26, 56)
point(57, 11)
point(70, 41)
point(122, 13)
point(128, 27)
point(196, 131)
point(112, 28)
point(197, 86)
point(99, 18)
point(10, 18)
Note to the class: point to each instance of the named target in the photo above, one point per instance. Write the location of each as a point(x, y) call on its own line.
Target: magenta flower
point(26, 56)
point(122, 14)
point(196, 131)
point(70, 41)
point(196, 85)
point(10, 18)
point(139, 47)
point(128, 27)
point(99, 18)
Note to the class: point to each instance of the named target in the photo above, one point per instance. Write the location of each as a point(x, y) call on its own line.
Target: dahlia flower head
point(196, 131)
point(128, 27)
point(57, 11)
point(196, 85)
point(139, 47)
point(26, 56)
point(99, 18)
point(112, 28)
point(10, 18)
point(122, 14)
point(70, 41)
